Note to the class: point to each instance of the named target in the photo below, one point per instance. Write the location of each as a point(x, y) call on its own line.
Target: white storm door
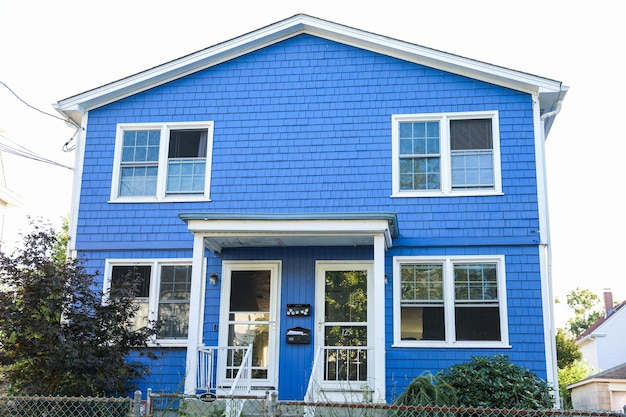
point(343, 314)
point(249, 312)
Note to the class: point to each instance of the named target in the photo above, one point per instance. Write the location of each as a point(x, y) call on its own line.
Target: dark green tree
point(57, 337)
point(586, 306)
point(567, 351)
point(495, 382)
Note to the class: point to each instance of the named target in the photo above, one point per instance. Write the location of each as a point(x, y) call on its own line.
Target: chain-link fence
point(172, 405)
point(178, 405)
point(15, 406)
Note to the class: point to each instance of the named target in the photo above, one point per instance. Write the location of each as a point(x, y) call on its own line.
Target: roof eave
point(74, 107)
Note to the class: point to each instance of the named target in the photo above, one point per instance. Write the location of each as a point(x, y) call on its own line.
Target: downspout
point(554, 112)
point(546, 243)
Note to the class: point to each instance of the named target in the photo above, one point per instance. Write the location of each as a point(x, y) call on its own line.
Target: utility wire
point(19, 150)
point(66, 147)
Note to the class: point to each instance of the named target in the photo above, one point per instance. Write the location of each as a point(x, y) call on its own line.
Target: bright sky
point(52, 50)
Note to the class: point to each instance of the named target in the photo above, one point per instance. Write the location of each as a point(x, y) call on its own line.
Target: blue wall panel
point(294, 134)
point(304, 125)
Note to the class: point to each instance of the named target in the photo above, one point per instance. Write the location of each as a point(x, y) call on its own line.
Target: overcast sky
point(51, 50)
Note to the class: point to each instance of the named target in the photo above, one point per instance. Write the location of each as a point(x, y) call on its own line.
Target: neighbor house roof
point(549, 92)
point(617, 373)
point(598, 323)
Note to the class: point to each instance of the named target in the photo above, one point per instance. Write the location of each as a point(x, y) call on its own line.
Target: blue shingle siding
point(296, 134)
point(304, 125)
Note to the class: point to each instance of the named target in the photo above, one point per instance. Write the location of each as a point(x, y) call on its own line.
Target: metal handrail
point(207, 379)
point(310, 390)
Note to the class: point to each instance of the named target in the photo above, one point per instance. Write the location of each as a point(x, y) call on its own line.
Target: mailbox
point(298, 336)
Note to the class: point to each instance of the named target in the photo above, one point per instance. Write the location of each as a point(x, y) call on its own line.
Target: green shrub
point(495, 382)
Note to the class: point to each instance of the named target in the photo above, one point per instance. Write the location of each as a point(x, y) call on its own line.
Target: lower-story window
point(162, 294)
point(450, 301)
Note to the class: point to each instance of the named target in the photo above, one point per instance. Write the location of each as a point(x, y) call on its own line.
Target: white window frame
point(161, 194)
point(445, 154)
point(155, 283)
point(449, 304)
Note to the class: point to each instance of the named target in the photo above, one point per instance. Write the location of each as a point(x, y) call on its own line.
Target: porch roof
point(229, 230)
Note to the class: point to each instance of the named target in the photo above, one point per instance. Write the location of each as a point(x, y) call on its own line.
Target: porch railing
point(237, 374)
point(338, 367)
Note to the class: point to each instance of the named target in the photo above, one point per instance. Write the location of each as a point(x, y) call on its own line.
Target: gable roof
point(549, 92)
point(600, 322)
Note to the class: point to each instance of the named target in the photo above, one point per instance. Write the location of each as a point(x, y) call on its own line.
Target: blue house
point(321, 211)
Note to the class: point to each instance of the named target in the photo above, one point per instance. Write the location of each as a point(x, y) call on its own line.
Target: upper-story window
point(155, 162)
point(446, 154)
point(450, 301)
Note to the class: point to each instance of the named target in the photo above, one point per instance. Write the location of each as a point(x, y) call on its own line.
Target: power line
point(19, 150)
point(65, 147)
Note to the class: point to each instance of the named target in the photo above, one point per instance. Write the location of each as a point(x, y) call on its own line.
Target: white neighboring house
point(603, 344)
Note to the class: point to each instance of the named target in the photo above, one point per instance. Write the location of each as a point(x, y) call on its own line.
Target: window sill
point(167, 343)
point(174, 199)
point(465, 193)
point(452, 345)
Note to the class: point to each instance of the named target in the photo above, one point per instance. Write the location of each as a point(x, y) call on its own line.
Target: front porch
point(343, 358)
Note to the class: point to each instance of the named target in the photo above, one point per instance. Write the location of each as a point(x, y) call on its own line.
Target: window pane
point(422, 282)
point(346, 296)
point(475, 282)
point(187, 161)
point(174, 301)
point(138, 280)
point(174, 320)
point(472, 169)
point(138, 181)
point(422, 323)
point(141, 146)
point(187, 143)
point(477, 323)
point(471, 134)
point(139, 276)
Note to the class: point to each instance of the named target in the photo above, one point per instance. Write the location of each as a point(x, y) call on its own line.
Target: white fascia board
point(289, 227)
point(78, 104)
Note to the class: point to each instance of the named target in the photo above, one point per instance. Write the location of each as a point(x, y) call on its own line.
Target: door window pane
point(346, 296)
point(249, 320)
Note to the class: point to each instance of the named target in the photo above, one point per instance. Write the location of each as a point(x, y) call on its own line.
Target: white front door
point(249, 303)
point(344, 339)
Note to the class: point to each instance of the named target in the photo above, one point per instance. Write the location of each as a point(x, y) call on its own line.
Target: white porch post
point(194, 336)
point(378, 384)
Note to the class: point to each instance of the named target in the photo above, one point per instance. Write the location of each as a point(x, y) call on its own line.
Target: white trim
point(545, 251)
point(285, 229)
point(196, 313)
point(79, 160)
point(155, 281)
point(275, 268)
point(448, 262)
point(444, 143)
point(74, 107)
point(164, 129)
point(344, 388)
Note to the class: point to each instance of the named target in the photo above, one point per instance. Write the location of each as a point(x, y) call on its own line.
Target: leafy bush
point(485, 381)
point(428, 389)
point(495, 382)
point(57, 336)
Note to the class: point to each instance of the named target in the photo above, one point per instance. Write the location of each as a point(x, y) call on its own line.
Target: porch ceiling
point(231, 230)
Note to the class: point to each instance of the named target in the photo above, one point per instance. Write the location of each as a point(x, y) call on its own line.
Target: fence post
point(137, 404)
point(272, 407)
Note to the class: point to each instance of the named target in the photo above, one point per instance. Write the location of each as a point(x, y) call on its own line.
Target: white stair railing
point(312, 388)
point(241, 385)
